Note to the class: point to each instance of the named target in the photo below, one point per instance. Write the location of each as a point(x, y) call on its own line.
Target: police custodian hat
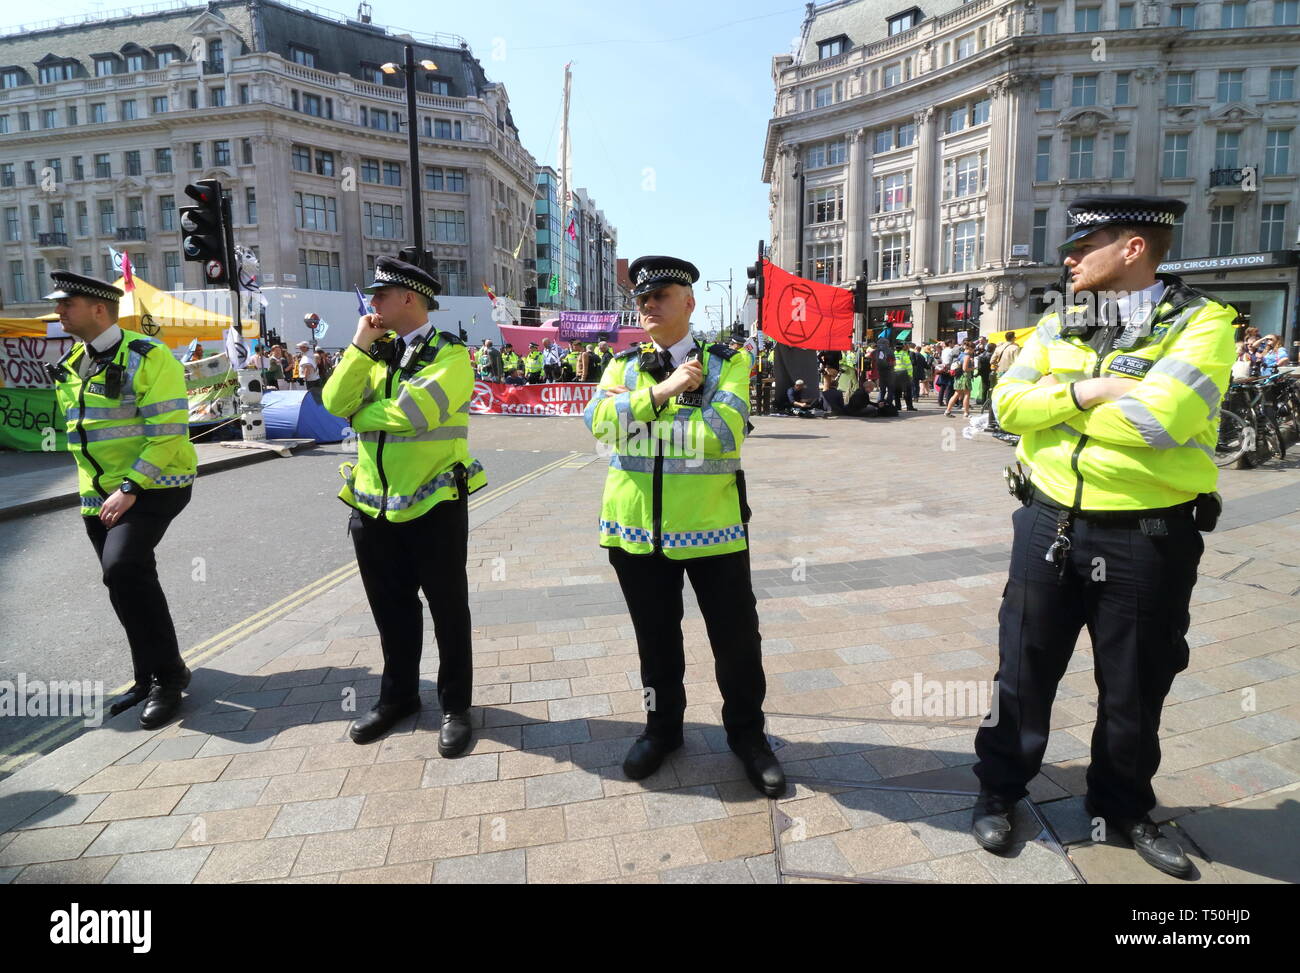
point(67, 284)
point(651, 273)
point(1088, 213)
point(391, 272)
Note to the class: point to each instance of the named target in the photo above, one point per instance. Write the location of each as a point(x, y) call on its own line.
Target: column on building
point(478, 235)
point(1146, 132)
point(790, 203)
point(858, 237)
point(924, 249)
point(998, 235)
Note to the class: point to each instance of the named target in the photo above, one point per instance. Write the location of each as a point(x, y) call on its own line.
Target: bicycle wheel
point(1260, 435)
point(1234, 439)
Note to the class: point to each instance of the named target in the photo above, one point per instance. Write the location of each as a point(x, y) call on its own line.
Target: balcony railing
point(51, 239)
point(130, 233)
point(1232, 178)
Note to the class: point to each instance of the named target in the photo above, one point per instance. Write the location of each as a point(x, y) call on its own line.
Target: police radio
point(413, 353)
point(693, 399)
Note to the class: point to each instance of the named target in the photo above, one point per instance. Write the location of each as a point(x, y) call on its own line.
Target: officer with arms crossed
point(128, 417)
point(405, 387)
point(1117, 406)
point(675, 414)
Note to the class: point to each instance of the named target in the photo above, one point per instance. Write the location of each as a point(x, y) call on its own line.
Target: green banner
point(31, 421)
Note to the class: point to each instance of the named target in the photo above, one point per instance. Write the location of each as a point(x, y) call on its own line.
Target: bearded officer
point(1117, 405)
point(674, 413)
point(405, 388)
point(123, 396)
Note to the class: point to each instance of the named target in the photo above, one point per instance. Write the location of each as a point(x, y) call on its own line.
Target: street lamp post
point(728, 283)
point(413, 141)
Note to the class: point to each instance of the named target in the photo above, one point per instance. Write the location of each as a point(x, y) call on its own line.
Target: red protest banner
point(805, 314)
point(557, 399)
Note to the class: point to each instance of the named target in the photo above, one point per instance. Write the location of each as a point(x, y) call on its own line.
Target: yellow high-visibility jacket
point(412, 428)
point(1152, 448)
point(141, 434)
point(675, 481)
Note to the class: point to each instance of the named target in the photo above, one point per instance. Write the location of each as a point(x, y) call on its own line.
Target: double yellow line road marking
point(65, 727)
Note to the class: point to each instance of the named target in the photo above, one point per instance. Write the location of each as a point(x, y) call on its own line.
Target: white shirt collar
point(421, 332)
point(680, 350)
point(107, 340)
point(1132, 301)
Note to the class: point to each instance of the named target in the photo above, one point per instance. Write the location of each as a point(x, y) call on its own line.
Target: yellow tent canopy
point(22, 327)
point(173, 321)
point(1021, 336)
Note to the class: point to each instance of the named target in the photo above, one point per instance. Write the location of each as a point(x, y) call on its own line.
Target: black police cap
point(651, 273)
point(1089, 213)
point(391, 272)
point(68, 284)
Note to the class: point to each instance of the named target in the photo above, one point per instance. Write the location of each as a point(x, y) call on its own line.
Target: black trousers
point(130, 573)
point(886, 379)
point(652, 585)
point(1132, 592)
point(398, 561)
point(902, 389)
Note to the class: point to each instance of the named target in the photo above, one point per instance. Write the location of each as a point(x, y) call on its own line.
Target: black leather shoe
point(454, 738)
point(646, 756)
point(381, 719)
point(134, 696)
point(1158, 851)
point(762, 768)
point(991, 822)
point(164, 699)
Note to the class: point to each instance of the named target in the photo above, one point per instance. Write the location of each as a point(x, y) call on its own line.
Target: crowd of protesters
point(542, 362)
point(884, 377)
point(1258, 355)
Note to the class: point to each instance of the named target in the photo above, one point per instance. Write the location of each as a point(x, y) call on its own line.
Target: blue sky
point(679, 88)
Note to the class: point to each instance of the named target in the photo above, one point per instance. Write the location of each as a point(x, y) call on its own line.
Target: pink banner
point(520, 335)
point(557, 399)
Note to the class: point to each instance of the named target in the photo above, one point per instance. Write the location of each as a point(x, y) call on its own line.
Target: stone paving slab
point(259, 783)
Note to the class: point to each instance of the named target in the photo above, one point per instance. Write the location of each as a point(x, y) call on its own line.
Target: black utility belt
point(1131, 519)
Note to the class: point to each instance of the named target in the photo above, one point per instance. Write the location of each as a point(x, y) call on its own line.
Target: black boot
point(646, 756)
point(134, 696)
point(164, 699)
point(762, 768)
point(991, 822)
point(456, 733)
point(381, 719)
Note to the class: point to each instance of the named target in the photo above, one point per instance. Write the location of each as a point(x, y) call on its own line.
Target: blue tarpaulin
point(296, 415)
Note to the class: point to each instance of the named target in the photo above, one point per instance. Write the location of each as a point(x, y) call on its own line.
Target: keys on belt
point(1059, 553)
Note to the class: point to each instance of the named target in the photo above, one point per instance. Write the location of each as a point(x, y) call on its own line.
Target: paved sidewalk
point(879, 552)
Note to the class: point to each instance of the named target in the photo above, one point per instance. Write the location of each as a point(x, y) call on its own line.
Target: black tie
point(399, 349)
point(666, 361)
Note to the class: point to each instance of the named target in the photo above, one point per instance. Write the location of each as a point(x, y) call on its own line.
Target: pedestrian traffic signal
point(202, 226)
point(861, 304)
point(755, 286)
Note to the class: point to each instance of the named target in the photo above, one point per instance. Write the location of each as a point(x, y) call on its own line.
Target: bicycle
point(1249, 432)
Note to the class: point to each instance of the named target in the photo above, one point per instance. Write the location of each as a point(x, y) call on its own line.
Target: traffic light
point(755, 286)
point(202, 226)
point(861, 304)
point(976, 307)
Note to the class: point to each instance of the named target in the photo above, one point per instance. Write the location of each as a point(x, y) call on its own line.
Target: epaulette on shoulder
point(142, 346)
point(452, 339)
point(722, 351)
point(630, 353)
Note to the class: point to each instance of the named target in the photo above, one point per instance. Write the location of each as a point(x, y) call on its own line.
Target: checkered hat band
point(85, 290)
point(1123, 215)
point(384, 277)
point(681, 275)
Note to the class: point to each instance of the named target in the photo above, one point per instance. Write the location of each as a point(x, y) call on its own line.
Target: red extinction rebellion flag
point(805, 314)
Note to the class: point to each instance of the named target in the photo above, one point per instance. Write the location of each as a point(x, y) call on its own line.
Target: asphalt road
point(262, 531)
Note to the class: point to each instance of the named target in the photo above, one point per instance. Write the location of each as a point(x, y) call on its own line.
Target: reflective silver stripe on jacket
point(589, 412)
point(673, 465)
point(439, 482)
point(1192, 377)
point(128, 432)
point(1023, 373)
point(115, 412)
point(170, 405)
point(1153, 433)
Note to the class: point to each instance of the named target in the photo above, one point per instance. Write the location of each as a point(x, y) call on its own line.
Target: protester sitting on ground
point(832, 400)
point(516, 377)
point(801, 402)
